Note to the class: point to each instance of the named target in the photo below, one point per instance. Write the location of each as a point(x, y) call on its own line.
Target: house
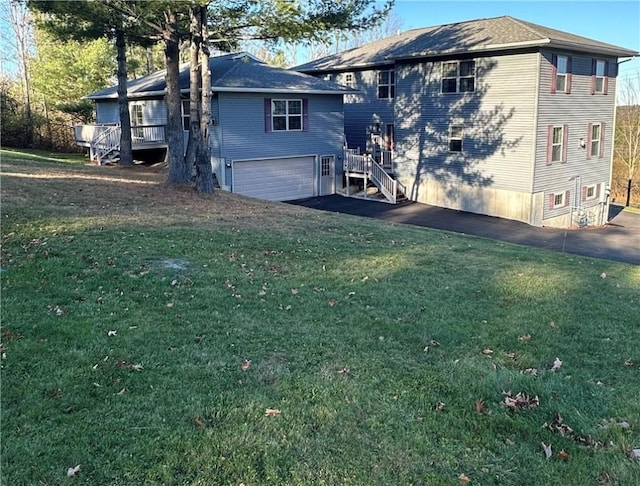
point(495, 116)
point(275, 134)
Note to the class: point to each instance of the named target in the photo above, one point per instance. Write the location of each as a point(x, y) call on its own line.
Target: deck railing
point(370, 169)
point(85, 134)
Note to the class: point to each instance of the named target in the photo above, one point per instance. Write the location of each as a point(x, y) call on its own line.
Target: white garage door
point(275, 179)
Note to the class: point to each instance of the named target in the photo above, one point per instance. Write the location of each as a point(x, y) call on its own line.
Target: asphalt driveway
point(619, 240)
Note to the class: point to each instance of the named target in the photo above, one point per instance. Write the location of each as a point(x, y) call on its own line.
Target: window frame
point(389, 84)
point(287, 116)
point(349, 80)
point(593, 188)
point(556, 156)
point(565, 74)
point(551, 143)
point(447, 77)
point(595, 143)
point(564, 198)
point(457, 138)
point(186, 114)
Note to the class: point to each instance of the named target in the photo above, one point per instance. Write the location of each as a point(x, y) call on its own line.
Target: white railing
point(364, 164)
point(106, 142)
point(147, 134)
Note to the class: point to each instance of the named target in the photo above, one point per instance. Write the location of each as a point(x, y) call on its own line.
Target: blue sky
point(614, 22)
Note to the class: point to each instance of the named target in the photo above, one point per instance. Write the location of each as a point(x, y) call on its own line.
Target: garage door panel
point(275, 180)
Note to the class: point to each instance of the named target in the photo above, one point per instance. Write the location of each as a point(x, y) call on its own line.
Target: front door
point(327, 174)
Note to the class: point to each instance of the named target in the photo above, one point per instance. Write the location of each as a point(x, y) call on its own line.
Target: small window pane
point(383, 77)
point(449, 69)
point(557, 135)
point(449, 85)
point(562, 65)
point(561, 82)
point(279, 107)
point(295, 123)
point(279, 123)
point(591, 192)
point(558, 200)
point(383, 91)
point(455, 145)
point(467, 85)
point(295, 107)
point(600, 68)
point(467, 68)
point(556, 153)
point(595, 132)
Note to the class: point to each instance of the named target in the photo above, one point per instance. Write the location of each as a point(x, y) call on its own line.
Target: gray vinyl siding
point(577, 110)
point(215, 133)
point(497, 120)
point(242, 128)
point(364, 109)
point(107, 112)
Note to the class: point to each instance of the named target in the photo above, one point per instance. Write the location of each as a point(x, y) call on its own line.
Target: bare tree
point(627, 143)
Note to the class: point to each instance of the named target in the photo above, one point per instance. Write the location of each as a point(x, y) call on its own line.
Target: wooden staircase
point(366, 168)
point(105, 146)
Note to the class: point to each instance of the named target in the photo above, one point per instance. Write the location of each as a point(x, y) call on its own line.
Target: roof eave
point(604, 50)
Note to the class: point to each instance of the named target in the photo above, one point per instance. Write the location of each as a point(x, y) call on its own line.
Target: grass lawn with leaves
point(154, 336)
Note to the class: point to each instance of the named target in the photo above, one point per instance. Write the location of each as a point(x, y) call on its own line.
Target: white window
point(458, 76)
point(348, 79)
point(600, 74)
point(591, 192)
point(556, 144)
point(559, 200)
point(562, 67)
point(386, 84)
point(186, 114)
point(137, 121)
point(455, 138)
point(596, 140)
point(286, 115)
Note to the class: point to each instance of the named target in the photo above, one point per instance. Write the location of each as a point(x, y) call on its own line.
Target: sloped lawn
point(153, 336)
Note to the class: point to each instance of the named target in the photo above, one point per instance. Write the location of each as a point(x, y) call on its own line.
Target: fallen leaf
point(245, 365)
point(628, 362)
point(603, 275)
point(294, 291)
point(557, 364)
point(72, 471)
point(511, 356)
point(272, 412)
point(479, 405)
point(635, 454)
point(520, 401)
point(136, 367)
point(487, 351)
point(199, 422)
point(525, 338)
point(331, 302)
point(531, 371)
point(439, 407)
point(552, 325)
point(344, 371)
point(564, 455)
point(547, 450)
point(464, 479)
point(434, 343)
point(112, 333)
point(494, 367)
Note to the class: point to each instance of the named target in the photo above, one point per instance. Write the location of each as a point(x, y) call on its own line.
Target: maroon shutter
point(565, 139)
point(549, 144)
point(594, 63)
point(605, 89)
point(267, 115)
point(584, 193)
point(554, 72)
point(567, 194)
point(602, 127)
point(552, 198)
point(569, 75)
point(589, 131)
point(305, 114)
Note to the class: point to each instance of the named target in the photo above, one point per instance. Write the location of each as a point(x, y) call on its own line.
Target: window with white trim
point(386, 84)
point(559, 200)
point(599, 76)
point(456, 133)
point(286, 115)
point(186, 114)
point(348, 79)
point(562, 67)
point(137, 120)
point(590, 192)
point(458, 76)
point(557, 141)
point(596, 139)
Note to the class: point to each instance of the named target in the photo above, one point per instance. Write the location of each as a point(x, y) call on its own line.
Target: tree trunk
point(204, 174)
point(179, 172)
point(126, 152)
point(194, 87)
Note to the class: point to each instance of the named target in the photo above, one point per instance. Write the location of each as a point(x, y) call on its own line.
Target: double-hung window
point(458, 76)
point(599, 76)
point(595, 140)
point(456, 133)
point(559, 199)
point(561, 73)
point(286, 115)
point(186, 114)
point(386, 84)
point(348, 79)
point(557, 144)
point(137, 120)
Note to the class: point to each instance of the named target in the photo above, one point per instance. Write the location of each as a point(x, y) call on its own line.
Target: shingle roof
point(484, 35)
point(231, 72)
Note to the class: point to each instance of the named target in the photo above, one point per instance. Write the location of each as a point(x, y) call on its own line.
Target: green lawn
point(129, 309)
